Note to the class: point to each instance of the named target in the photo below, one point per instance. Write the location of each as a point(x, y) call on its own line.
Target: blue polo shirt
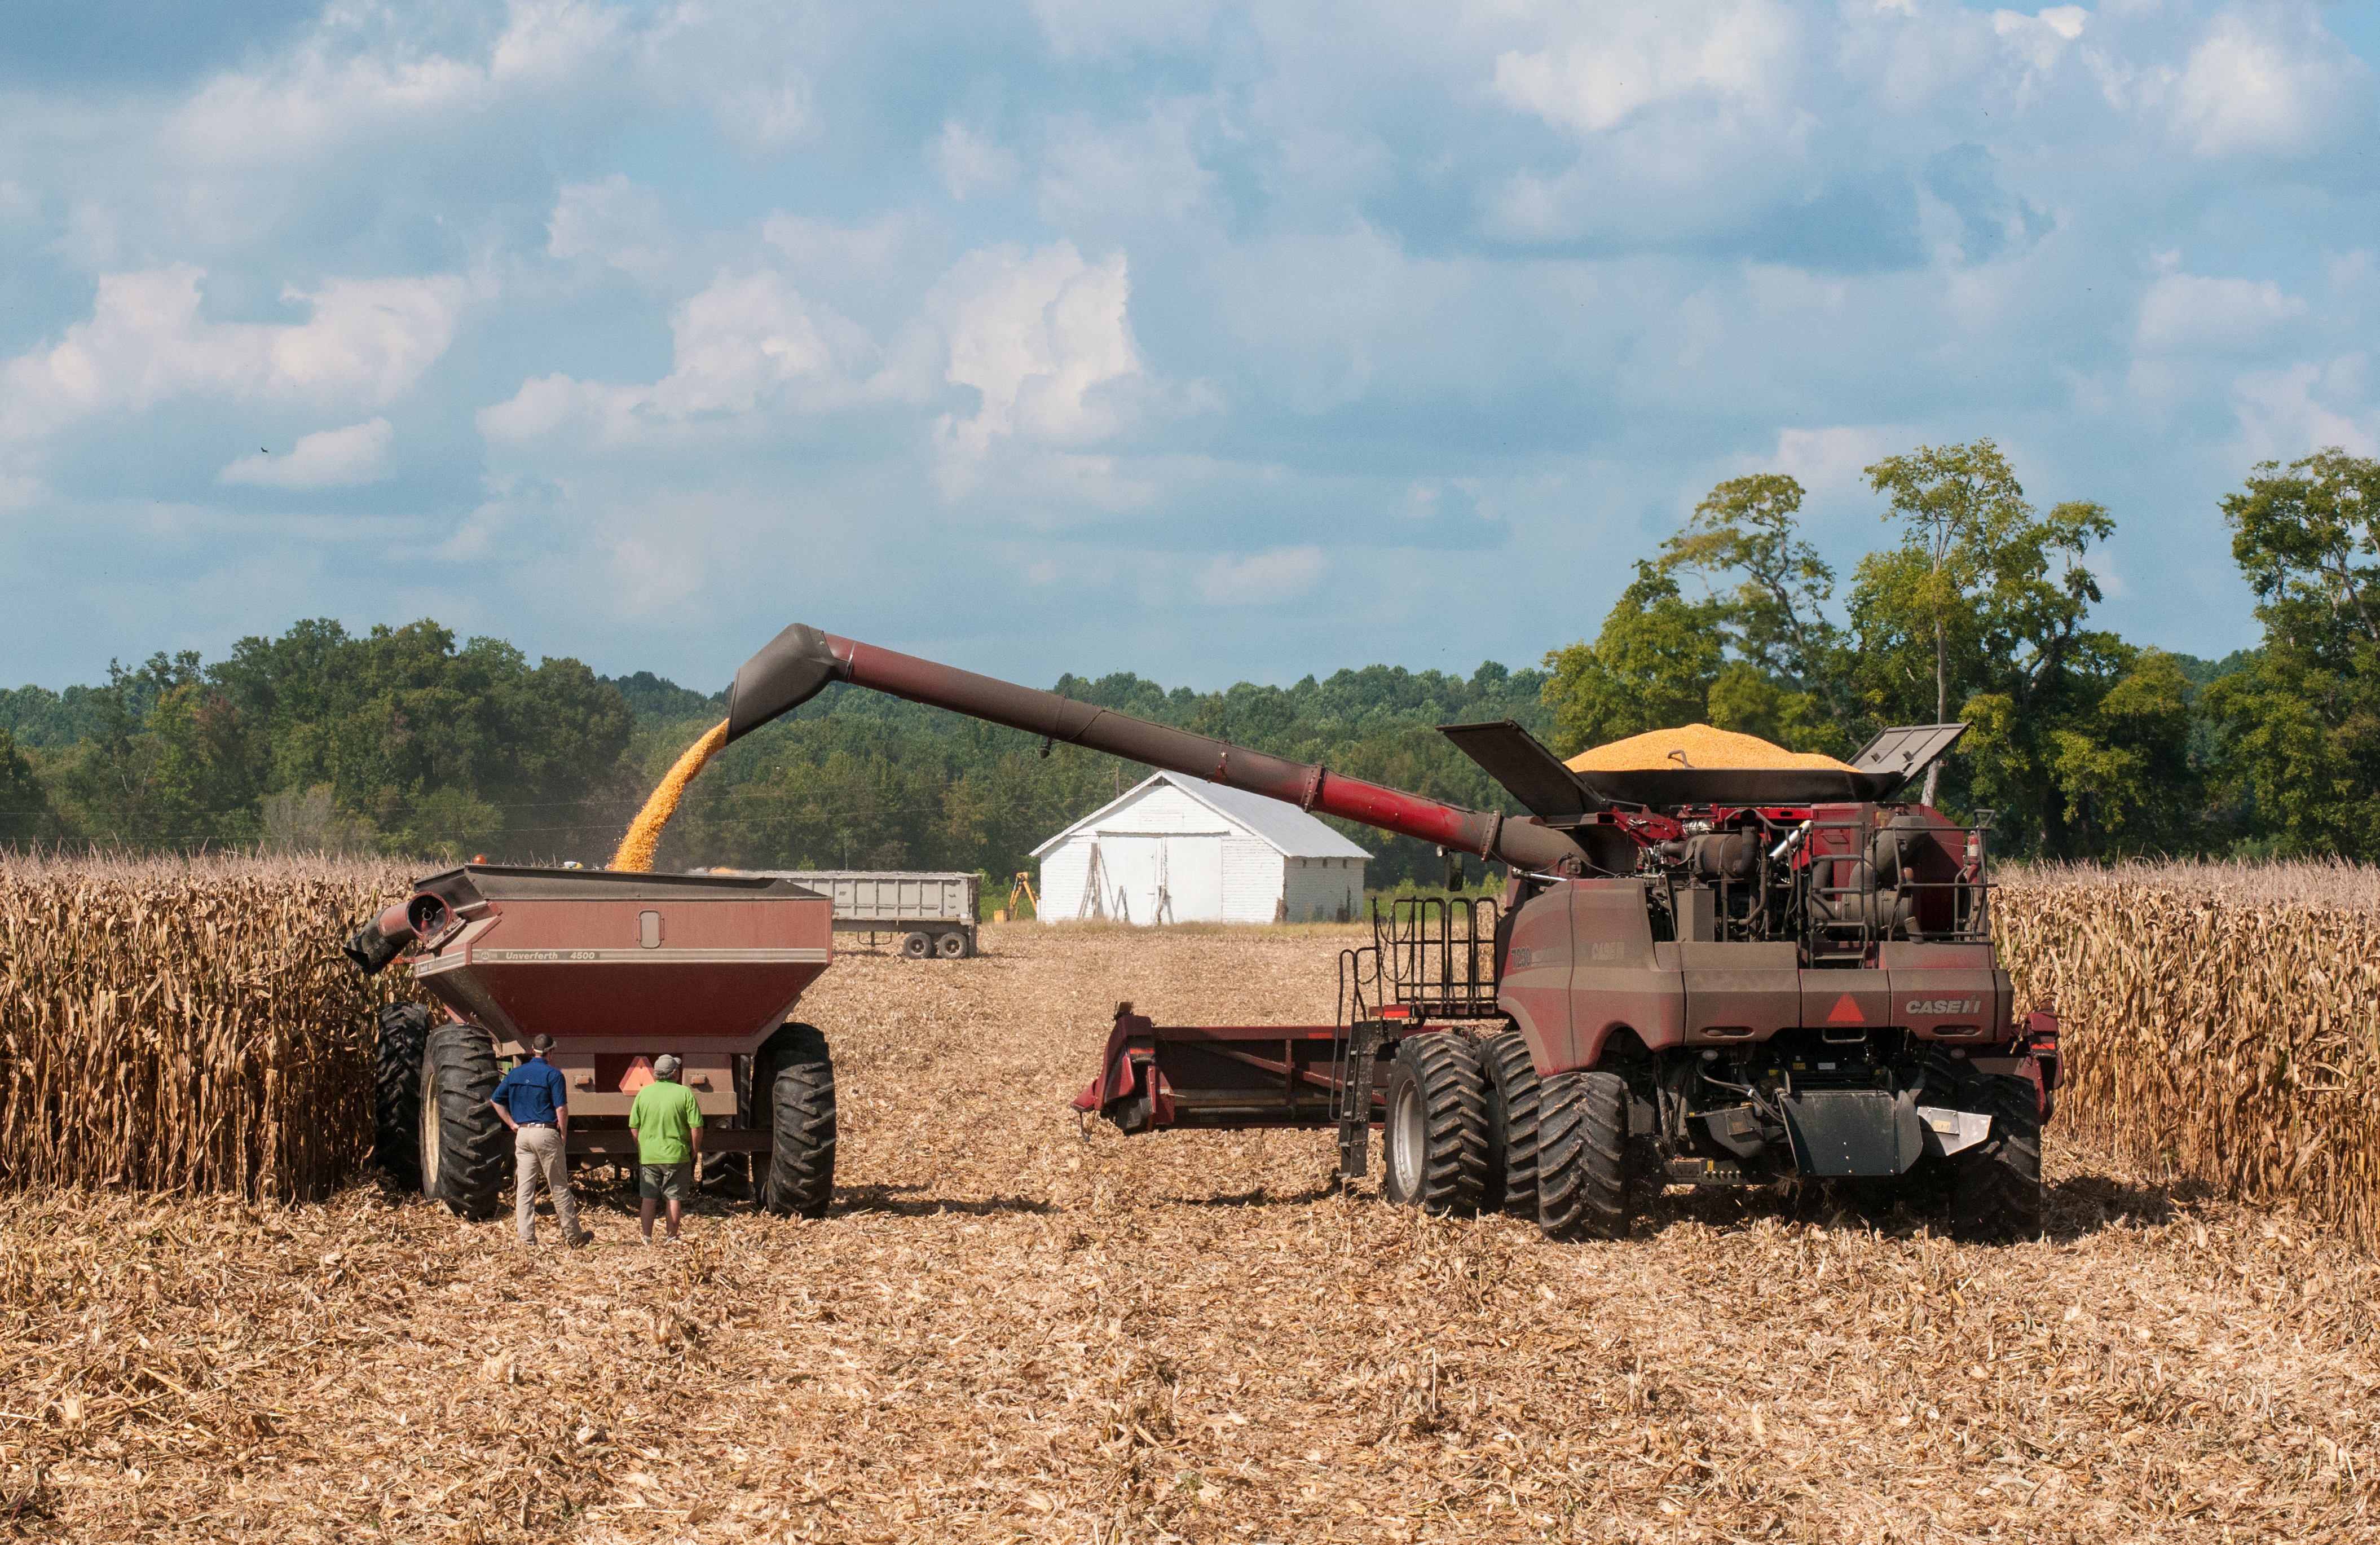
point(532, 1092)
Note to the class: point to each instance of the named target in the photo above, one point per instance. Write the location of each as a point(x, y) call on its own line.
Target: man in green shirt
point(668, 1125)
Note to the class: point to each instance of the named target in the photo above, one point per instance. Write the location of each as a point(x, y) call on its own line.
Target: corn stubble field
point(1006, 1329)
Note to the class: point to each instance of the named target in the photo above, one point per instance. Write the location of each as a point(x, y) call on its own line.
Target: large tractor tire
point(396, 1093)
point(464, 1142)
point(797, 1075)
point(1436, 1132)
point(1994, 1186)
point(1513, 1096)
point(1583, 1186)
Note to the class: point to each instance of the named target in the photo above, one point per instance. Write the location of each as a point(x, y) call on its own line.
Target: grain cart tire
point(917, 946)
point(396, 1093)
point(1996, 1186)
point(794, 1067)
point(1583, 1153)
point(1512, 1094)
point(950, 947)
point(464, 1142)
point(1436, 1137)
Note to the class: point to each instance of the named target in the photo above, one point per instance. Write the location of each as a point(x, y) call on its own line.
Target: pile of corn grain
point(2221, 1022)
point(187, 1026)
point(1692, 745)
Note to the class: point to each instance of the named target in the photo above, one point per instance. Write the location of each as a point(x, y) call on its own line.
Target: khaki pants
point(538, 1149)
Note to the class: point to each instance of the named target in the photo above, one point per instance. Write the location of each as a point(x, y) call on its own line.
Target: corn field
point(190, 1027)
point(187, 1027)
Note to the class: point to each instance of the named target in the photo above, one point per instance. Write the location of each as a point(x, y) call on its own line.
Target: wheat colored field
point(1006, 1329)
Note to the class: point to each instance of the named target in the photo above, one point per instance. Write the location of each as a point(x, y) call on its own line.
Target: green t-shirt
point(665, 1112)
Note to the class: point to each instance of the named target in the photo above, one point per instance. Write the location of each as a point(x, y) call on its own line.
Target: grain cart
point(617, 967)
point(1700, 977)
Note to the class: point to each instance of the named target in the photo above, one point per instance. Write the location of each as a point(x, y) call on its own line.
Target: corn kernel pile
point(635, 850)
point(1692, 745)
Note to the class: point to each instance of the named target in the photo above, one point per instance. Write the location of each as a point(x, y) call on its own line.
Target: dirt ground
point(1005, 1330)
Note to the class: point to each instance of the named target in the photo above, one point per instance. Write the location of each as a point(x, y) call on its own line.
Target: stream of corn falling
point(635, 850)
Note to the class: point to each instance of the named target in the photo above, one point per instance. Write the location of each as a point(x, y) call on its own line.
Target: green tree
point(25, 817)
point(1650, 667)
point(2300, 724)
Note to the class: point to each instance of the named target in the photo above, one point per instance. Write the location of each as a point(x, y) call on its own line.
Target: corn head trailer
point(617, 967)
point(1702, 976)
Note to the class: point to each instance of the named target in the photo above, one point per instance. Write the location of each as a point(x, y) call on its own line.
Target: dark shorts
point(665, 1182)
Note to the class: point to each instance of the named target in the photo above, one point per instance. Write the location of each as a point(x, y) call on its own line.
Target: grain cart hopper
point(1702, 976)
point(617, 967)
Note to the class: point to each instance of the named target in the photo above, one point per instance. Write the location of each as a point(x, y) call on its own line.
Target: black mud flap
point(1855, 1132)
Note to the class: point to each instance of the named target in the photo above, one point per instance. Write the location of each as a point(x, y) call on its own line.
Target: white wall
point(1318, 888)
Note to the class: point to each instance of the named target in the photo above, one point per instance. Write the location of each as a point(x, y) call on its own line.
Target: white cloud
point(617, 222)
point(970, 164)
point(750, 342)
point(328, 458)
point(2285, 413)
point(1098, 28)
point(2189, 311)
point(1279, 574)
point(1034, 334)
point(367, 340)
point(2248, 88)
point(1834, 460)
point(1618, 59)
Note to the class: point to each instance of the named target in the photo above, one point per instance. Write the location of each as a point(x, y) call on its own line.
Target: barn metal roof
point(1288, 830)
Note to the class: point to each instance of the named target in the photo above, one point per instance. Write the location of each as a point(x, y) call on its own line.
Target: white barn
point(1179, 850)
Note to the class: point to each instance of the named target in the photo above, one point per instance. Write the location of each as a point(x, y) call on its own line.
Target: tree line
point(1979, 606)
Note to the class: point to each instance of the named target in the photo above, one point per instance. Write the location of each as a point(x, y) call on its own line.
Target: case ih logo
point(1943, 1006)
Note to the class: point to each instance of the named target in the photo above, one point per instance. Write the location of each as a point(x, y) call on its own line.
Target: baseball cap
point(665, 1066)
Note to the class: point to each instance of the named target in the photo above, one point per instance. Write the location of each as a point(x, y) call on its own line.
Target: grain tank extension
point(1696, 976)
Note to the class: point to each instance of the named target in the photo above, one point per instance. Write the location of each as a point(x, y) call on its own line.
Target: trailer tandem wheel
point(1512, 1094)
point(396, 1093)
point(952, 946)
point(463, 1146)
point(1436, 1137)
point(917, 947)
point(793, 1066)
point(1583, 1153)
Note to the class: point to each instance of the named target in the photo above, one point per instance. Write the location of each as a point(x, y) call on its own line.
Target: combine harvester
point(1708, 977)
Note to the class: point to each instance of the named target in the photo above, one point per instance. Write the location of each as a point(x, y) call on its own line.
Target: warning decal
point(1846, 1012)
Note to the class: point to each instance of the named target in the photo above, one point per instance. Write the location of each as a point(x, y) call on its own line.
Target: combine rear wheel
point(1583, 1153)
point(794, 1068)
point(396, 1093)
point(1512, 1094)
point(463, 1147)
point(1996, 1186)
point(1437, 1133)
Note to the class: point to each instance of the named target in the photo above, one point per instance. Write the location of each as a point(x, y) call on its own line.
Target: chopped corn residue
point(645, 833)
point(1692, 745)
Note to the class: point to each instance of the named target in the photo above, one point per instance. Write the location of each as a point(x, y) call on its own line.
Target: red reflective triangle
point(1846, 1012)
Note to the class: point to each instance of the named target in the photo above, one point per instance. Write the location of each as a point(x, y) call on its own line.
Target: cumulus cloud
point(146, 343)
point(2258, 85)
point(1034, 334)
point(2190, 312)
point(970, 164)
point(1279, 574)
point(2306, 405)
point(328, 458)
point(1615, 60)
point(617, 222)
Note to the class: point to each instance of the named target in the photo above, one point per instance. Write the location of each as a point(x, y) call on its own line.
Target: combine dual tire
point(794, 1067)
point(396, 1093)
point(1513, 1096)
point(1993, 1188)
point(1583, 1153)
point(463, 1143)
point(1436, 1132)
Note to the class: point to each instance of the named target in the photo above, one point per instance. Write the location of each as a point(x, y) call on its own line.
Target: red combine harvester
point(618, 967)
point(1703, 976)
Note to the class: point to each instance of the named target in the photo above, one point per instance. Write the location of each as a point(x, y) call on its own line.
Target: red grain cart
point(617, 967)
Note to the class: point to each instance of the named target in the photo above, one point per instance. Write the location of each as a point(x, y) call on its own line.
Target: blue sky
point(1205, 341)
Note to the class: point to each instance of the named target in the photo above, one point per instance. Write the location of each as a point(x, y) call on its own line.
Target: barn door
point(1167, 878)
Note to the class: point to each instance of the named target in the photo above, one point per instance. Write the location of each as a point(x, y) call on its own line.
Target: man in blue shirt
point(534, 1103)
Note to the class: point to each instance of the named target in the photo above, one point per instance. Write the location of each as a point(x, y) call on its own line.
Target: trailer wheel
point(396, 1093)
point(1582, 1141)
point(917, 946)
point(1996, 1186)
point(952, 946)
point(793, 1065)
point(1514, 1090)
point(1436, 1132)
point(462, 1137)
